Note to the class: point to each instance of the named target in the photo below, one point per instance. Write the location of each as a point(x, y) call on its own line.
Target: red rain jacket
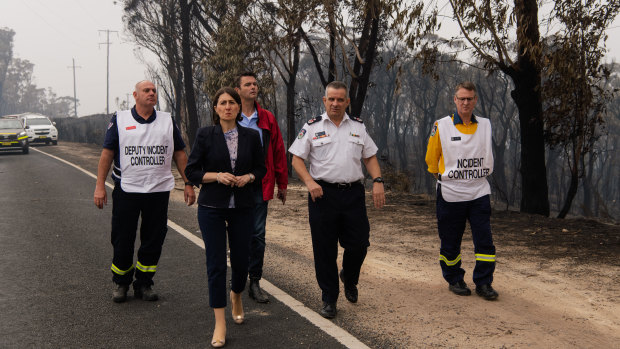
point(275, 154)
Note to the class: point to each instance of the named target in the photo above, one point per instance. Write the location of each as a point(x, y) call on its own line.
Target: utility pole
point(128, 94)
point(74, 89)
point(107, 43)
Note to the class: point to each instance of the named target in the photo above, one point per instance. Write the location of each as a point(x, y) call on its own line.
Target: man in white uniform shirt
point(334, 145)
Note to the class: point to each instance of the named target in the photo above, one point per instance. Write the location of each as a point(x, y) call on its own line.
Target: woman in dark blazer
point(227, 161)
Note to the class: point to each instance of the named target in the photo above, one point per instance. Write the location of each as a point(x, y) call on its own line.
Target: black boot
point(329, 310)
point(350, 290)
point(487, 292)
point(256, 293)
point(120, 293)
point(145, 293)
point(460, 288)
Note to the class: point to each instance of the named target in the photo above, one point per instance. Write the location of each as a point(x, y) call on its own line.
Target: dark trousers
point(339, 216)
point(257, 244)
point(451, 220)
point(127, 208)
point(214, 223)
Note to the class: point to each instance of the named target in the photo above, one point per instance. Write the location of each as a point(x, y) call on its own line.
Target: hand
point(282, 195)
point(378, 195)
point(189, 195)
point(315, 190)
point(100, 197)
point(227, 179)
point(241, 181)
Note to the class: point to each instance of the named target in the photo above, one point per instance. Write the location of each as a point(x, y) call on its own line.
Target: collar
point(140, 119)
point(253, 116)
point(326, 117)
point(457, 119)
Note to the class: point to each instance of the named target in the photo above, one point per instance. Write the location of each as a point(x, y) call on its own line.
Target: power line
point(62, 33)
point(107, 43)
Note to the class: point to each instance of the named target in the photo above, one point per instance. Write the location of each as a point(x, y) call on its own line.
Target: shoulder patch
point(301, 134)
point(355, 118)
point(434, 129)
point(313, 120)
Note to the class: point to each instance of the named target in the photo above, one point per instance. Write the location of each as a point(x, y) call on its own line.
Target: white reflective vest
point(145, 153)
point(468, 160)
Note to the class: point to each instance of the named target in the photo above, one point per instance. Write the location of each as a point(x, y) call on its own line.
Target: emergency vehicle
point(12, 134)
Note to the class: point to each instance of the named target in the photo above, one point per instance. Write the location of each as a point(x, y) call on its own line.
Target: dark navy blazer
point(210, 154)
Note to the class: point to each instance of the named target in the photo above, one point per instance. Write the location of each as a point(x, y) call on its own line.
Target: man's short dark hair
point(337, 85)
point(468, 85)
point(247, 73)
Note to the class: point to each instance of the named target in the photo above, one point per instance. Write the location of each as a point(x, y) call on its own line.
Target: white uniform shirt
point(468, 160)
point(334, 153)
point(145, 153)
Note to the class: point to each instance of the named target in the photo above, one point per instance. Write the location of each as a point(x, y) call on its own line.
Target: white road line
point(342, 336)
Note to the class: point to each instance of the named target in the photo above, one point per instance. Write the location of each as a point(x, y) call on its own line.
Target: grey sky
point(49, 33)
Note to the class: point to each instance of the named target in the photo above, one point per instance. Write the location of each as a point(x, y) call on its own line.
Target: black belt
point(338, 185)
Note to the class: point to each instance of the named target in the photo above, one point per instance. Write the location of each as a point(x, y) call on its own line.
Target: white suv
point(39, 128)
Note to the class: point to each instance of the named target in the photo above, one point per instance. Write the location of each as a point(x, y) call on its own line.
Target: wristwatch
point(251, 177)
point(378, 180)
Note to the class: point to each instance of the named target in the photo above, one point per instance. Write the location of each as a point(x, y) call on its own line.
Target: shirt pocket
point(321, 147)
point(355, 145)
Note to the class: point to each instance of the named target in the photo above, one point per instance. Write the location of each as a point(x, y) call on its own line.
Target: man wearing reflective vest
point(142, 143)
point(461, 159)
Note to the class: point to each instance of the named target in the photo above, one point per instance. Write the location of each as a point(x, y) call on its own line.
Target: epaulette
point(355, 118)
point(313, 120)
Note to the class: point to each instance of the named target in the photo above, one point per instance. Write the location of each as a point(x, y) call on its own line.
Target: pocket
point(321, 146)
point(355, 146)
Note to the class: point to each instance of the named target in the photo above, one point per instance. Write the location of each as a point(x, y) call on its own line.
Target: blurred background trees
point(18, 92)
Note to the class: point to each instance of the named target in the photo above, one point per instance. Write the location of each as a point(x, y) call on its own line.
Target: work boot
point(145, 293)
point(487, 292)
point(329, 310)
point(120, 293)
point(256, 293)
point(460, 288)
point(350, 290)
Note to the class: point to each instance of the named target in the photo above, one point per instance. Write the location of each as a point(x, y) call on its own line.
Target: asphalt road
point(55, 279)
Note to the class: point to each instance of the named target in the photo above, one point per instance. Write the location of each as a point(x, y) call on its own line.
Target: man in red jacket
point(266, 125)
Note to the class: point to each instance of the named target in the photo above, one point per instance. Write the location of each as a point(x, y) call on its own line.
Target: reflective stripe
point(20, 138)
point(116, 270)
point(485, 257)
point(449, 263)
point(146, 268)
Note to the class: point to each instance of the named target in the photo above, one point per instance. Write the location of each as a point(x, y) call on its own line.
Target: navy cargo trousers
point(127, 209)
point(451, 220)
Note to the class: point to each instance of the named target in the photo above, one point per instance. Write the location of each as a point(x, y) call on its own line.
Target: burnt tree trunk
point(528, 97)
point(368, 49)
point(290, 100)
point(190, 97)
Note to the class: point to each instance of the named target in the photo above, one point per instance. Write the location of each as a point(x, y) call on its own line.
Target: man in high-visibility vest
point(460, 157)
point(142, 143)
